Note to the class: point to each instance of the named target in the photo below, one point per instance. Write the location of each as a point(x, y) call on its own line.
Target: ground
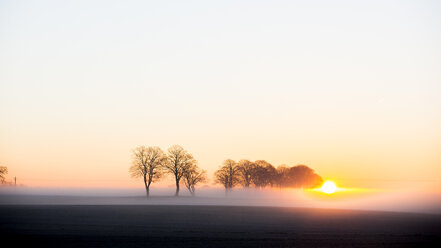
point(212, 226)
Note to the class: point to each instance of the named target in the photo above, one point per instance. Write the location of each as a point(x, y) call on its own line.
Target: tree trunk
point(177, 188)
point(147, 187)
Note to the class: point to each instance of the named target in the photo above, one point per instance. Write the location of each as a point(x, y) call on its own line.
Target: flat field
point(212, 226)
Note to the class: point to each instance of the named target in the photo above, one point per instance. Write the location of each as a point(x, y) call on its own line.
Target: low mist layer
point(409, 201)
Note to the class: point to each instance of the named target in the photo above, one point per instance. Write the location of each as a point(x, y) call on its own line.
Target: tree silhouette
point(263, 174)
point(147, 163)
point(178, 162)
point(3, 172)
point(245, 169)
point(301, 176)
point(192, 176)
point(227, 174)
point(221, 176)
point(150, 163)
point(281, 179)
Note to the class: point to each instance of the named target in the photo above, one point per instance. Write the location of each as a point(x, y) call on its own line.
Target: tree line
point(261, 174)
point(151, 163)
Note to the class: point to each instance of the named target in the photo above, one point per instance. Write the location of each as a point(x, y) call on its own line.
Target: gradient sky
point(349, 88)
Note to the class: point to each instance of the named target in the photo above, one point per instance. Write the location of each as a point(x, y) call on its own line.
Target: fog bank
point(376, 200)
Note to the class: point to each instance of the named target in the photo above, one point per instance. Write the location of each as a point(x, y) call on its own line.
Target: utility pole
point(15, 181)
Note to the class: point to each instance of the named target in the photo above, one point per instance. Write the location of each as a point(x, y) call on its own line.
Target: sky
point(350, 88)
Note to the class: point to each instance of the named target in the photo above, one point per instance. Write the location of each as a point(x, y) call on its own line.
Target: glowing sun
point(329, 187)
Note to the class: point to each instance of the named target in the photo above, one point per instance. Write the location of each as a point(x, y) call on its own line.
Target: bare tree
point(227, 174)
point(3, 172)
point(245, 169)
point(147, 163)
point(222, 177)
point(178, 162)
point(263, 174)
point(192, 176)
point(281, 179)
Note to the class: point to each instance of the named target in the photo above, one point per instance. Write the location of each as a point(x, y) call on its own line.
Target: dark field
point(212, 226)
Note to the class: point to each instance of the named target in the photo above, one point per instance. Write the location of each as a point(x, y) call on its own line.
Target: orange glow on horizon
point(330, 190)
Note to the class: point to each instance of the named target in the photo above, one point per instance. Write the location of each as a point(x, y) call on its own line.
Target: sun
point(329, 187)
